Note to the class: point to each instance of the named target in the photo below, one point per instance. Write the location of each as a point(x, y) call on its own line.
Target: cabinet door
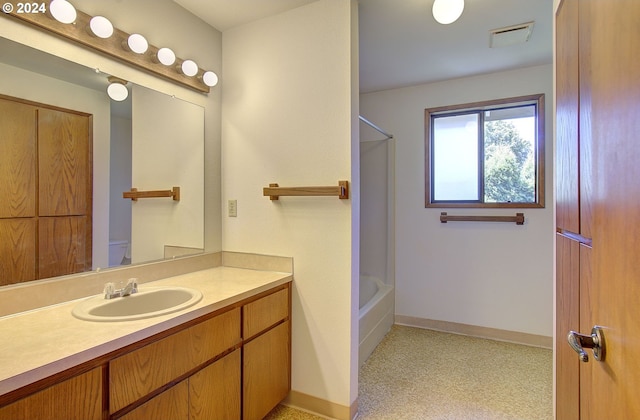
point(17, 159)
point(63, 244)
point(172, 404)
point(266, 371)
point(64, 151)
point(78, 398)
point(17, 250)
point(214, 392)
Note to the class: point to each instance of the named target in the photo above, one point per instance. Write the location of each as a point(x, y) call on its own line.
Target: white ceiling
point(400, 42)
point(402, 45)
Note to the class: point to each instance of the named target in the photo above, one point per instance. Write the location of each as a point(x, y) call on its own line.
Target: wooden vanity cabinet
point(233, 365)
point(78, 398)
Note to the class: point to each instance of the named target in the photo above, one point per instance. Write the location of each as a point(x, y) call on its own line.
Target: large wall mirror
point(151, 141)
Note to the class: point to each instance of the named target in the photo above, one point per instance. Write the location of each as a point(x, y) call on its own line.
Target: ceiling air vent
point(511, 35)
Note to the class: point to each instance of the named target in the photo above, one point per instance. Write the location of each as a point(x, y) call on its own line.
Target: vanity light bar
point(149, 60)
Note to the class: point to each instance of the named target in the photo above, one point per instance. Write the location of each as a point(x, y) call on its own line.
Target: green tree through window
point(509, 171)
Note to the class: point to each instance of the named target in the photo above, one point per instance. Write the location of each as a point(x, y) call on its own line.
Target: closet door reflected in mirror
point(45, 180)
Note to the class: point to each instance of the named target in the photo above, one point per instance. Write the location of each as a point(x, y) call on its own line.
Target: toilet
point(117, 252)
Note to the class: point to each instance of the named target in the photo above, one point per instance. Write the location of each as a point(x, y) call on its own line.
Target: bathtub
point(376, 314)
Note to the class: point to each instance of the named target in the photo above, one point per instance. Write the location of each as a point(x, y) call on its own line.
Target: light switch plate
point(232, 208)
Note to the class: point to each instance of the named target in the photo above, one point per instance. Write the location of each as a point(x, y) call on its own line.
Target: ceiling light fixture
point(63, 11)
point(92, 31)
point(101, 27)
point(447, 11)
point(117, 89)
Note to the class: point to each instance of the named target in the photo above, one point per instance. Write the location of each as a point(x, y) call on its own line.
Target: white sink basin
point(146, 303)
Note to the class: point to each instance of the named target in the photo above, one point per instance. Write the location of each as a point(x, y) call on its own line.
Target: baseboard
point(477, 331)
point(321, 407)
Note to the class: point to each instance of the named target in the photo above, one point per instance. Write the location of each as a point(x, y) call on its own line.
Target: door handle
point(595, 341)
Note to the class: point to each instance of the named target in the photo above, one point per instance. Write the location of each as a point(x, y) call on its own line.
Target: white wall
point(493, 275)
point(167, 151)
point(289, 108)
point(120, 176)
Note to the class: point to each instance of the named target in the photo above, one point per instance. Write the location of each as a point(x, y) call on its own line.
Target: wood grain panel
point(214, 392)
point(265, 312)
point(266, 372)
point(586, 277)
point(17, 250)
point(614, 291)
point(62, 246)
point(567, 100)
point(172, 404)
point(79, 398)
point(17, 159)
point(142, 371)
point(64, 150)
point(586, 139)
point(567, 315)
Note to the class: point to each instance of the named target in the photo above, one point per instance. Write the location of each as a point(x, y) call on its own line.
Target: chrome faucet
point(111, 292)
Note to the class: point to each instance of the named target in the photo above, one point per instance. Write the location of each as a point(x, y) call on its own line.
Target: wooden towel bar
point(518, 218)
point(134, 194)
point(275, 192)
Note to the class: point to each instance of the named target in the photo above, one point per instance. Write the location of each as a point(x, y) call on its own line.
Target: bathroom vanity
point(226, 357)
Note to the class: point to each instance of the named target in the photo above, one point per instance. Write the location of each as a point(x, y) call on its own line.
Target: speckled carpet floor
point(418, 374)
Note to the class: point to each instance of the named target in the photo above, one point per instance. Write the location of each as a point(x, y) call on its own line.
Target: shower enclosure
point(377, 236)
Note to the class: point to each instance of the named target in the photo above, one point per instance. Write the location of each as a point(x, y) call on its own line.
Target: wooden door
point(610, 297)
point(600, 284)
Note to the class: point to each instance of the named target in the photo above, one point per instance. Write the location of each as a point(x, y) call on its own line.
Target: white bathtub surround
point(376, 314)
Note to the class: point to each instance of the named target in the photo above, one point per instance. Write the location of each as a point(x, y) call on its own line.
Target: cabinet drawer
point(142, 371)
point(265, 312)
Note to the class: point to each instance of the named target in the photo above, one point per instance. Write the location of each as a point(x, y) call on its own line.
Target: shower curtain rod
point(375, 127)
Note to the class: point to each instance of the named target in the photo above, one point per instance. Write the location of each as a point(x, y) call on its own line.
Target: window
point(488, 154)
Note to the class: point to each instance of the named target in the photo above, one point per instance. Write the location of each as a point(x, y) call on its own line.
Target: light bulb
point(101, 27)
point(166, 56)
point(117, 89)
point(447, 11)
point(189, 67)
point(137, 43)
point(210, 78)
point(63, 11)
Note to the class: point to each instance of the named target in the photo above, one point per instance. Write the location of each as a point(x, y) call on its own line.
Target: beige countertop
point(39, 343)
